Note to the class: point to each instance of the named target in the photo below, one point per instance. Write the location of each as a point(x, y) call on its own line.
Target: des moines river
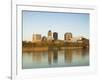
point(55, 58)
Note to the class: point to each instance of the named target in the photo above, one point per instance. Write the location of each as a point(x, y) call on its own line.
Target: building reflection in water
point(81, 53)
point(52, 56)
point(55, 56)
point(37, 57)
point(78, 53)
point(85, 51)
point(68, 56)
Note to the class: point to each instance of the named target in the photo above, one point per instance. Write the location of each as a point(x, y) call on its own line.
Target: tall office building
point(55, 36)
point(36, 38)
point(49, 35)
point(68, 36)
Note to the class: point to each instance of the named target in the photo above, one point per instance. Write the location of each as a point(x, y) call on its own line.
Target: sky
point(35, 22)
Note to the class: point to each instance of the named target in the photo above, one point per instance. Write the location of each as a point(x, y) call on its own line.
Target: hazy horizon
point(42, 22)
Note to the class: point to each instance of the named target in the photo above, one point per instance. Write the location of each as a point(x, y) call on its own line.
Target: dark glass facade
point(55, 36)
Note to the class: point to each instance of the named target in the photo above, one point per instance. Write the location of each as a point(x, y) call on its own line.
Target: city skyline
point(42, 22)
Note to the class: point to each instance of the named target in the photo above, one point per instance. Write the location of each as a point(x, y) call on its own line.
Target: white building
point(36, 38)
point(77, 39)
point(50, 35)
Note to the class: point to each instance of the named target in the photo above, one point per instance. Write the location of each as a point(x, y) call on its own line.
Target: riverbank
point(26, 49)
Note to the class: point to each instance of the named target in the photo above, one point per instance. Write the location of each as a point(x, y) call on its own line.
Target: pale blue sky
point(42, 22)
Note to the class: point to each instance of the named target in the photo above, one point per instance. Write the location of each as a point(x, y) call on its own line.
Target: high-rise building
point(49, 35)
point(68, 36)
point(36, 38)
point(55, 36)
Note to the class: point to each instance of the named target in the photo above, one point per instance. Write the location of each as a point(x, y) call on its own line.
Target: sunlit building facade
point(50, 35)
point(36, 38)
point(68, 37)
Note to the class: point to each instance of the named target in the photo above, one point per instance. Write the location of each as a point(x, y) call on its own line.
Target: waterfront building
point(55, 36)
point(85, 42)
point(68, 37)
point(77, 39)
point(36, 38)
point(49, 35)
point(81, 40)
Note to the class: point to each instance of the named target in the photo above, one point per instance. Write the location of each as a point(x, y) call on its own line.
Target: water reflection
point(50, 57)
point(55, 58)
point(37, 57)
point(68, 56)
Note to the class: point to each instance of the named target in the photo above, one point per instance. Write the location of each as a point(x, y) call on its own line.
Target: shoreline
point(34, 49)
point(26, 49)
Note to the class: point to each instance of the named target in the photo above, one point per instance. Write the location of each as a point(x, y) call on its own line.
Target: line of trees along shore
point(58, 44)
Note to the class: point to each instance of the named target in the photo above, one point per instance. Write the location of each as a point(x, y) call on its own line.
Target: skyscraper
point(68, 36)
point(55, 36)
point(49, 35)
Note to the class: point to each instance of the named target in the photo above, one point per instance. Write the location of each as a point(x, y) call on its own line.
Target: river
point(55, 58)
